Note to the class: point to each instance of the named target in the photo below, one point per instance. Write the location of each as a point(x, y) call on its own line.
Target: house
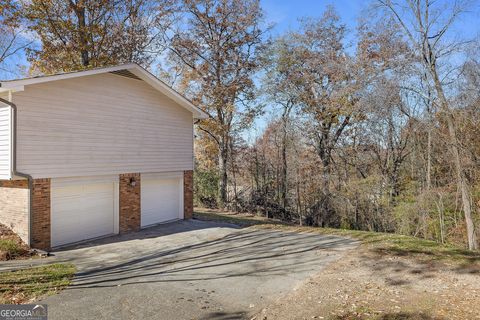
point(93, 153)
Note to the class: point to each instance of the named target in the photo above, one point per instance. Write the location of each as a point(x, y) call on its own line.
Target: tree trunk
point(82, 32)
point(223, 175)
point(234, 178)
point(441, 209)
point(298, 200)
point(454, 149)
point(429, 159)
point(283, 174)
point(324, 217)
point(429, 136)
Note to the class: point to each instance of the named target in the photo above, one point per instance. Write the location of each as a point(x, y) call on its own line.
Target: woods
point(372, 128)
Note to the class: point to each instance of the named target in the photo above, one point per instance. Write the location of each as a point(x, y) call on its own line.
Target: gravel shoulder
point(369, 285)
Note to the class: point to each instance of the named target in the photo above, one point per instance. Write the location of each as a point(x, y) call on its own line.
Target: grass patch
point(383, 243)
point(11, 247)
point(26, 285)
point(401, 245)
point(242, 220)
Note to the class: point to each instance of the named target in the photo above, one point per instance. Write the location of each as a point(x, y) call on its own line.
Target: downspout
point(14, 166)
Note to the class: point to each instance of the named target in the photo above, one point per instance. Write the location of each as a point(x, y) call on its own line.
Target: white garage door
point(161, 198)
point(83, 209)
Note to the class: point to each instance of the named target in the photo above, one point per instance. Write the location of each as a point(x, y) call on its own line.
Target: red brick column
point(40, 215)
point(129, 209)
point(188, 194)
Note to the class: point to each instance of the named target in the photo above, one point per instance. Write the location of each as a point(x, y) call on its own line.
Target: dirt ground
point(372, 285)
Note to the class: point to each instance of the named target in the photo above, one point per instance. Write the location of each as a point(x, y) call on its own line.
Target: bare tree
point(12, 41)
point(426, 25)
point(324, 78)
point(282, 91)
point(388, 133)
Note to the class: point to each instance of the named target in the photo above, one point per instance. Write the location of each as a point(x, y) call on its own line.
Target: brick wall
point(129, 202)
point(188, 194)
point(41, 227)
point(14, 206)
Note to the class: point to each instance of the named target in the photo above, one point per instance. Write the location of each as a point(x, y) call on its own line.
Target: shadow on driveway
point(192, 269)
point(245, 253)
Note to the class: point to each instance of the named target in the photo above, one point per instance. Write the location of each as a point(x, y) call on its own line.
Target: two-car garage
point(87, 208)
point(92, 145)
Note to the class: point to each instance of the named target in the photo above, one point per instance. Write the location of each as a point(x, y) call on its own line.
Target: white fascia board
point(12, 89)
point(26, 82)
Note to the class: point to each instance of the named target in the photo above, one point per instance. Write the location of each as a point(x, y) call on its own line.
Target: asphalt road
point(190, 270)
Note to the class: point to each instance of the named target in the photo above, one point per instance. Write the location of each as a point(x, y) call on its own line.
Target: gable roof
point(131, 70)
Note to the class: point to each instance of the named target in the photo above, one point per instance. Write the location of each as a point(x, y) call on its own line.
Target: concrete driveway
point(189, 270)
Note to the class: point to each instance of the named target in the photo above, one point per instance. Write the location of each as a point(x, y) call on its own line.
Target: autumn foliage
point(373, 128)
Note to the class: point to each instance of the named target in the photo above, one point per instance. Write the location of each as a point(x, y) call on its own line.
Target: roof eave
point(38, 80)
point(18, 85)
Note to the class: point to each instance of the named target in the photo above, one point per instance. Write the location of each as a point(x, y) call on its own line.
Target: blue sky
point(285, 13)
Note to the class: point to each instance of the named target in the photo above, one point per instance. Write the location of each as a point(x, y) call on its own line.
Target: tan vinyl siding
point(14, 210)
point(5, 141)
point(99, 125)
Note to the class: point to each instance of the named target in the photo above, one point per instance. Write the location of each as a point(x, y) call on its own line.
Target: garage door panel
point(161, 199)
point(82, 211)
